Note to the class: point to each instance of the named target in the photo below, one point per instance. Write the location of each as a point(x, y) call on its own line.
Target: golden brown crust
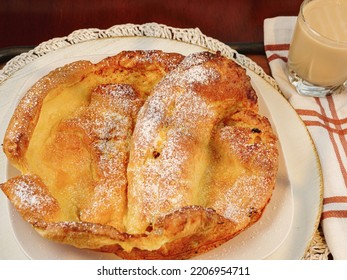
point(145, 154)
point(31, 198)
point(25, 117)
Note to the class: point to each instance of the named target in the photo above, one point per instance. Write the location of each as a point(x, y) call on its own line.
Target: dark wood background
point(30, 22)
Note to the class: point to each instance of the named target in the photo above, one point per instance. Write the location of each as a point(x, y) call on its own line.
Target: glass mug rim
point(315, 33)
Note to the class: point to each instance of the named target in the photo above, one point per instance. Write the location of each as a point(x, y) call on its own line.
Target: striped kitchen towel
point(326, 120)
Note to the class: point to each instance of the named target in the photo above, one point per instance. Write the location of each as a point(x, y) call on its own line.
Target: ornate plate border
point(187, 35)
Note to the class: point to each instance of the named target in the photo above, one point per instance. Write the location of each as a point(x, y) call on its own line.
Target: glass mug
point(317, 60)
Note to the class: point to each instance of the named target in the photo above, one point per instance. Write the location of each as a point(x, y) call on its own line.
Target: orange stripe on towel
point(277, 47)
point(276, 56)
point(335, 199)
point(334, 214)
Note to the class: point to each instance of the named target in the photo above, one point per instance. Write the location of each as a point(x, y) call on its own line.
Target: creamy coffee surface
point(328, 17)
point(318, 51)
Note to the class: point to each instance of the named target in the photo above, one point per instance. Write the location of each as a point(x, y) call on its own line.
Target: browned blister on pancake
point(146, 154)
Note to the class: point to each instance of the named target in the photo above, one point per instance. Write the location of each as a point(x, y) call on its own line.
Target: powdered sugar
point(151, 118)
point(153, 56)
point(32, 197)
point(200, 75)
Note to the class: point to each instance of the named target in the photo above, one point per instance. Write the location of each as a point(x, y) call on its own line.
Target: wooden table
point(25, 22)
point(28, 23)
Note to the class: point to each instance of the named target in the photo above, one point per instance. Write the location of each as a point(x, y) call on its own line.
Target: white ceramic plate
point(290, 219)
